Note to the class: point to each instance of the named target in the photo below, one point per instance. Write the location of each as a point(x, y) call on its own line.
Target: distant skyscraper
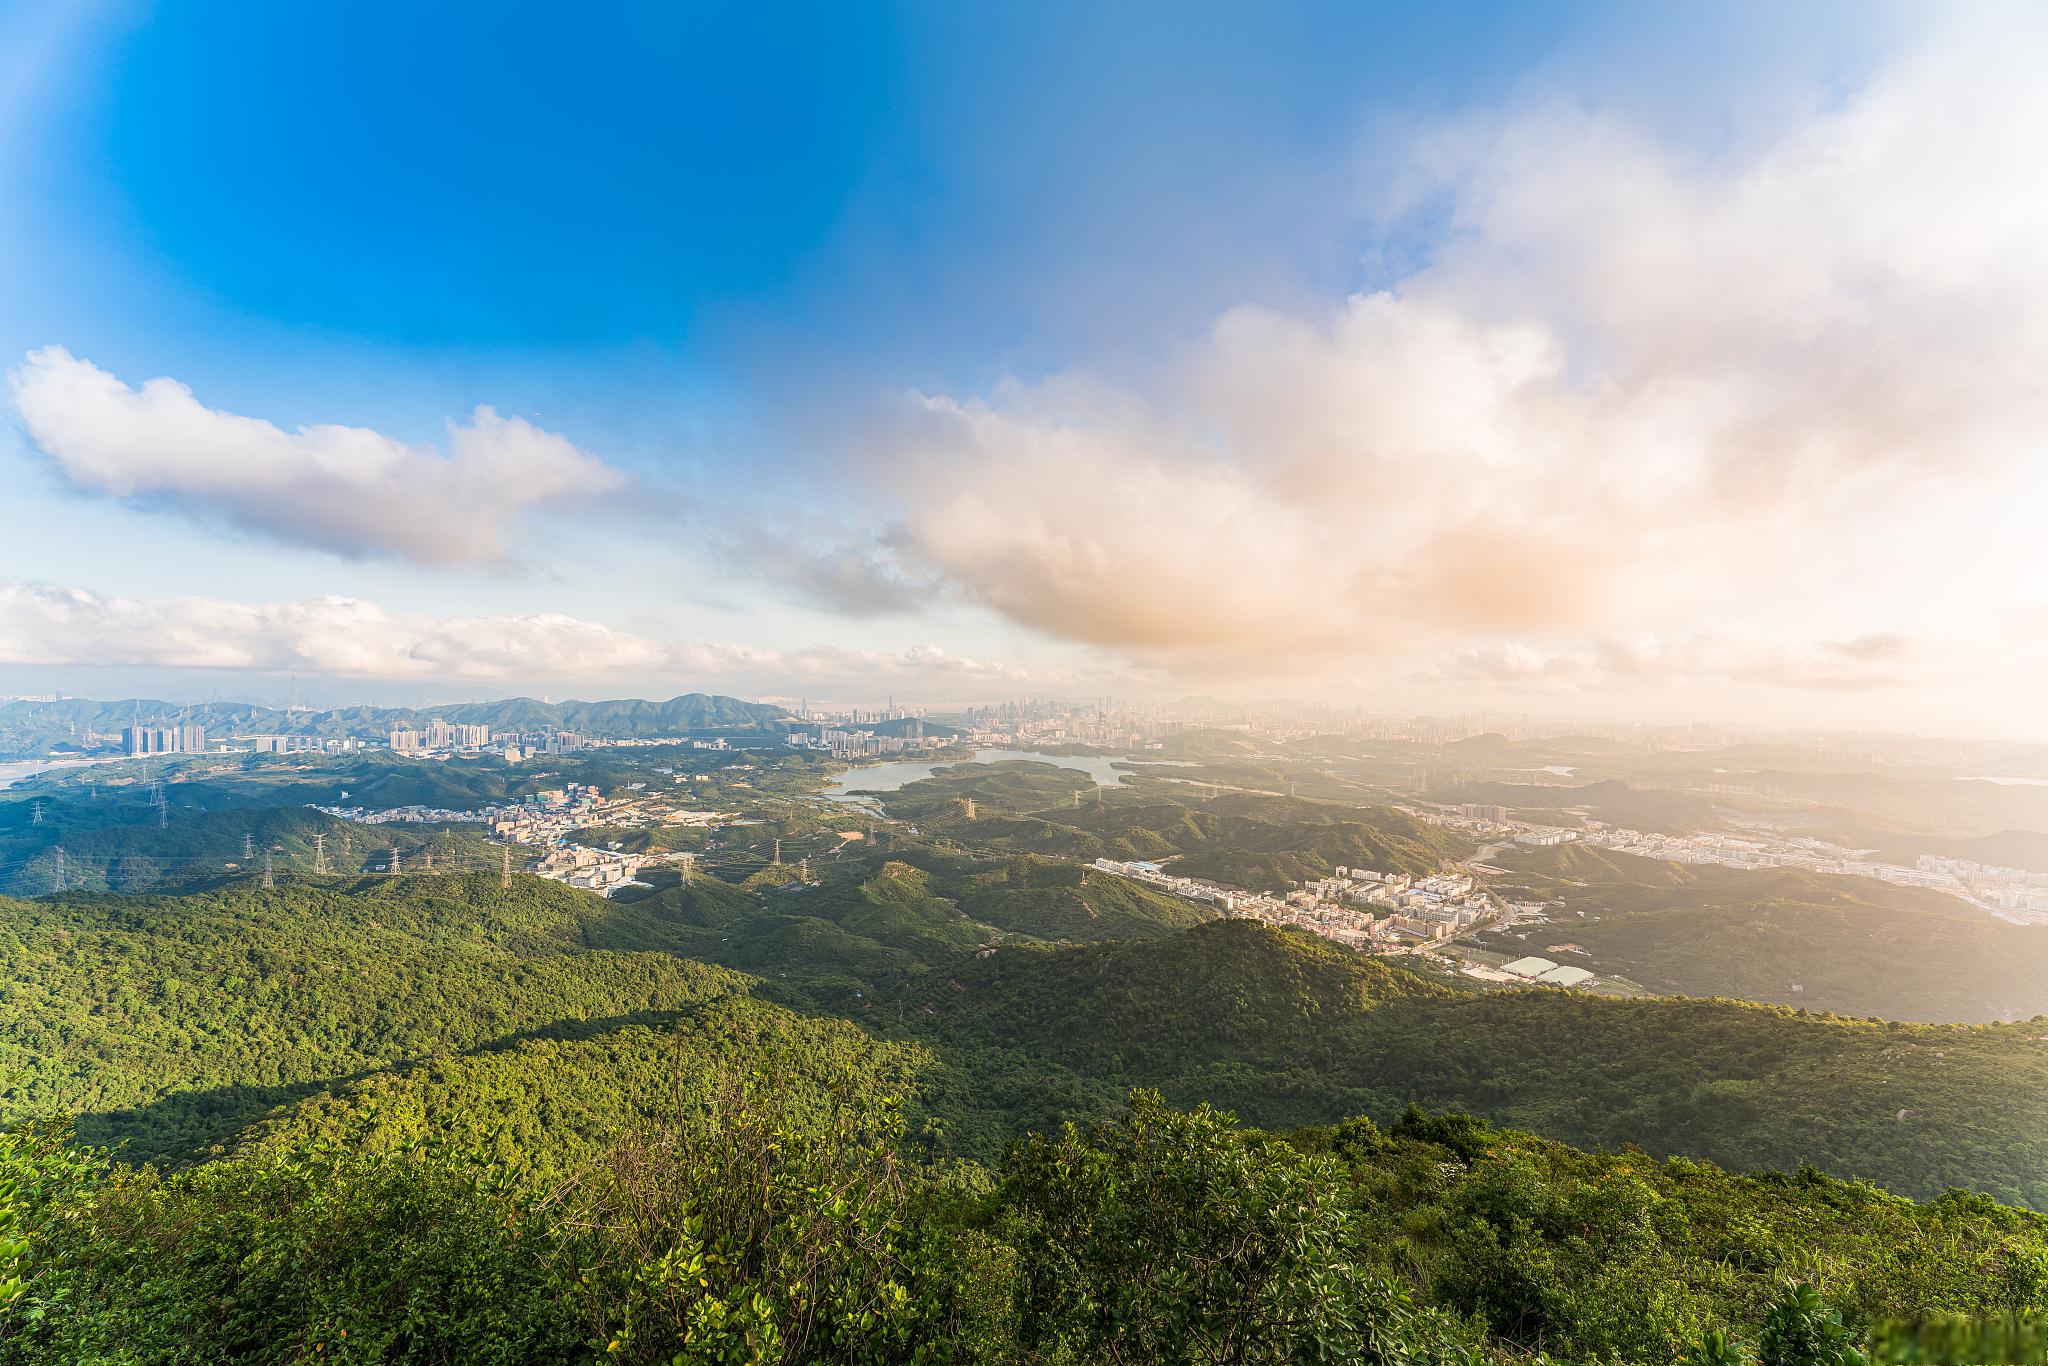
point(163, 739)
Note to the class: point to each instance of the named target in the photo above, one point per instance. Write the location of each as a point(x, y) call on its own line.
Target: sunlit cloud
point(349, 490)
point(46, 625)
point(1636, 383)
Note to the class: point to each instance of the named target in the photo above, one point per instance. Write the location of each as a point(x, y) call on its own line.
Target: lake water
point(17, 771)
point(898, 773)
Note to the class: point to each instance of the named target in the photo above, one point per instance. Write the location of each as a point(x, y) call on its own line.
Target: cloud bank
point(1637, 384)
point(45, 625)
point(349, 490)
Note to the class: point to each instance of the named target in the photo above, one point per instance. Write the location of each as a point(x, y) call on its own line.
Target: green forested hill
point(209, 1008)
point(1854, 946)
point(1248, 839)
point(568, 1094)
point(1288, 1030)
point(169, 1020)
point(119, 845)
point(1611, 800)
point(464, 1123)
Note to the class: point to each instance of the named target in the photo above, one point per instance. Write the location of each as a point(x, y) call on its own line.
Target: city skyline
point(1420, 364)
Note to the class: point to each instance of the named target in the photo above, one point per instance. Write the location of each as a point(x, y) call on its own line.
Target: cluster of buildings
point(408, 815)
point(1356, 907)
point(1492, 822)
point(1535, 971)
point(439, 738)
point(2012, 894)
point(842, 743)
point(1038, 722)
point(438, 734)
point(549, 819)
point(138, 739)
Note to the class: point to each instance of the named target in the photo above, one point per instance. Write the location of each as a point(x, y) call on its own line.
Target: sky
point(1621, 362)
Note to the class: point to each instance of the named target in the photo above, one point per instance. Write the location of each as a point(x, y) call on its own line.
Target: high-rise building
point(163, 739)
point(441, 734)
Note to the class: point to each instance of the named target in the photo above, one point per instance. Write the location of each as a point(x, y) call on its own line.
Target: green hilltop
point(1851, 945)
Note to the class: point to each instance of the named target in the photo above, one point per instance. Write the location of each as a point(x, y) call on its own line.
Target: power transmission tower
point(1077, 799)
point(970, 807)
point(689, 863)
point(320, 852)
point(57, 873)
point(429, 856)
point(394, 861)
point(269, 878)
point(248, 846)
point(35, 813)
point(803, 871)
point(505, 868)
point(778, 849)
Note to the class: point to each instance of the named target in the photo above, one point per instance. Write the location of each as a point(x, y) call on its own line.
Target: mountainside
point(171, 1020)
point(166, 1021)
point(473, 1125)
point(117, 843)
point(1612, 801)
point(2026, 849)
point(466, 1120)
point(1247, 839)
point(1854, 946)
point(1288, 1030)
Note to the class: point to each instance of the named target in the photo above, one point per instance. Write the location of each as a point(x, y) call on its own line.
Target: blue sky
point(811, 288)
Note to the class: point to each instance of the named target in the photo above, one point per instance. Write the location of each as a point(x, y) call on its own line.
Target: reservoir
point(16, 771)
point(897, 773)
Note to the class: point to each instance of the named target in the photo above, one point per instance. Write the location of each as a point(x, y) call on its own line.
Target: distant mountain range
point(32, 729)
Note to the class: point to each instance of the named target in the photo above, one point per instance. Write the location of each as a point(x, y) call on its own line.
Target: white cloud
point(349, 490)
point(45, 625)
point(1639, 386)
